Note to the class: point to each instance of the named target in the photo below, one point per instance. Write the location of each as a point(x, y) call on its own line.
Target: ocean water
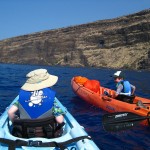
point(12, 77)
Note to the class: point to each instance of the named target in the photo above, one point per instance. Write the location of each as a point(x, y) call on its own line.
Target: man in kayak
point(36, 98)
point(125, 90)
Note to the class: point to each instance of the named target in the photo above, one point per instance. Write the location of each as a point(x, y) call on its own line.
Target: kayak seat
point(45, 127)
point(126, 98)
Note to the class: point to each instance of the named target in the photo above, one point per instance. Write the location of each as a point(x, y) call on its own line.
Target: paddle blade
point(120, 126)
point(121, 121)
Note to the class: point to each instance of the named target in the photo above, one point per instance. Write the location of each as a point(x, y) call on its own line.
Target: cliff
point(122, 42)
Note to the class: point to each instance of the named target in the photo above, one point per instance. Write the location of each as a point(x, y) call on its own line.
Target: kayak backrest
point(28, 128)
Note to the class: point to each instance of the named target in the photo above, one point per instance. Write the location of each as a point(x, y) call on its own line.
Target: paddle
point(107, 94)
point(142, 102)
point(121, 121)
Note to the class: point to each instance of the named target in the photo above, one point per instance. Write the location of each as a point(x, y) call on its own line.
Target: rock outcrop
point(122, 42)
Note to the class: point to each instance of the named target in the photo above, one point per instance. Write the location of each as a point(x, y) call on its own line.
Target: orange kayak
point(110, 104)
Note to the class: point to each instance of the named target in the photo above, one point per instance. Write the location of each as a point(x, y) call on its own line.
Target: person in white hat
point(125, 90)
point(36, 99)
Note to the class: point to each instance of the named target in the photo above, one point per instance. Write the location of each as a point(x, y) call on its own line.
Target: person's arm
point(58, 113)
point(118, 91)
point(11, 112)
point(133, 88)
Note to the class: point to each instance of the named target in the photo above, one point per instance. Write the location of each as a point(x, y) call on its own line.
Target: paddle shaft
point(109, 96)
point(143, 103)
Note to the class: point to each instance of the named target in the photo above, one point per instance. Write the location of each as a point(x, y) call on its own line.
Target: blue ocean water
point(12, 77)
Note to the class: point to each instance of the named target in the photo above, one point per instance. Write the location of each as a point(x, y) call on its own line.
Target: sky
point(20, 17)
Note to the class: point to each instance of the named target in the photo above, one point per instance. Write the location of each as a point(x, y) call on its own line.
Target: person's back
point(36, 104)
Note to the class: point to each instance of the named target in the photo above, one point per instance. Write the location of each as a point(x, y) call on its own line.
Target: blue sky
point(19, 17)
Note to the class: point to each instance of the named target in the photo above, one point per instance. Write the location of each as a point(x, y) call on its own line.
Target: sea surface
point(12, 77)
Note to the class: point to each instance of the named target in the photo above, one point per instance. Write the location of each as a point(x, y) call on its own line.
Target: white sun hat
point(39, 79)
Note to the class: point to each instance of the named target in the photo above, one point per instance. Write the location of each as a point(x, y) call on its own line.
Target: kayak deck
point(69, 132)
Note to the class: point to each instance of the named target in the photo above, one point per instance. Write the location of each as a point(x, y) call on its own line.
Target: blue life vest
point(126, 88)
point(36, 103)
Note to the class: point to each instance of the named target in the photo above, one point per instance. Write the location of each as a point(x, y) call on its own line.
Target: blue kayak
point(74, 136)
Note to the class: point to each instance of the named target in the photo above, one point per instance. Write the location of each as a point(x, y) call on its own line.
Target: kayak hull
point(109, 104)
point(69, 132)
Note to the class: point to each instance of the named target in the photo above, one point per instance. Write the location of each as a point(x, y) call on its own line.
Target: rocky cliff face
point(123, 42)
